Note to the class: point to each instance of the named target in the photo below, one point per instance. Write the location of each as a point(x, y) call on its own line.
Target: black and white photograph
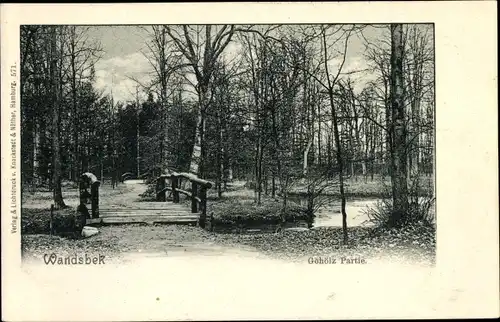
point(279, 170)
point(296, 141)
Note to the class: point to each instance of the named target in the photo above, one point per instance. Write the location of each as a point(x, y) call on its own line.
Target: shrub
point(69, 184)
point(379, 214)
point(420, 208)
point(249, 185)
point(235, 212)
point(66, 222)
point(150, 193)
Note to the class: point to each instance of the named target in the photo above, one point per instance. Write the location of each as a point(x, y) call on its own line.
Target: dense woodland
point(275, 110)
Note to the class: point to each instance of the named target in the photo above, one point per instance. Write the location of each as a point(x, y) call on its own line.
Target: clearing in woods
point(148, 237)
point(132, 241)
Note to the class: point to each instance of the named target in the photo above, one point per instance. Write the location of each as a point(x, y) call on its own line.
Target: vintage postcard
point(228, 161)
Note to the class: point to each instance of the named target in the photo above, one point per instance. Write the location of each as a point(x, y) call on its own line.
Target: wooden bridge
point(168, 210)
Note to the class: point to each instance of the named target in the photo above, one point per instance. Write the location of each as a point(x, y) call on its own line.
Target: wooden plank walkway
point(172, 214)
point(129, 210)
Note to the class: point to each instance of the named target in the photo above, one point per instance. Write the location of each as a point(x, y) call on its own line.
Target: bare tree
point(55, 80)
point(378, 56)
point(418, 68)
point(165, 62)
point(330, 36)
point(82, 56)
point(339, 154)
point(398, 150)
point(257, 57)
point(202, 52)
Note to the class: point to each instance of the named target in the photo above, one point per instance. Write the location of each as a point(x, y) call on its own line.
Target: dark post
point(83, 190)
point(175, 193)
point(203, 197)
point(94, 191)
point(161, 194)
point(51, 220)
point(211, 221)
point(194, 194)
point(88, 179)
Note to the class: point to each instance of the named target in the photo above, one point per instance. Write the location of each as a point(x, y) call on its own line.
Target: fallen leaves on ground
point(415, 244)
point(412, 244)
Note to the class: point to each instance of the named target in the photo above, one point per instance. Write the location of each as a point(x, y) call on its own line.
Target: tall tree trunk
point(340, 164)
point(388, 134)
point(56, 157)
point(306, 154)
point(138, 133)
point(319, 134)
point(261, 157)
point(310, 128)
point(36, 156)
point(258, 168)
point(102, 171)
point(196, 155)
point(415, 87)
point(164, 153)
point(273, 185)
point(399, 153)
point(373, 150)
point(76, 158)
point(114, 174)
point(42, 156)
point(228, 171)
point(339, 151)
point(220, 153)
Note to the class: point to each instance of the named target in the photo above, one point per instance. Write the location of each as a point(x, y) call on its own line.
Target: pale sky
point(122, 58)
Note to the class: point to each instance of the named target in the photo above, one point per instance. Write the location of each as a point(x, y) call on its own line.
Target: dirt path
point(125, 195)
point(130, 242)
point(127, 243)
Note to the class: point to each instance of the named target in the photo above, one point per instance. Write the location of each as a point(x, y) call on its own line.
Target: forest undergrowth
point(414, 242)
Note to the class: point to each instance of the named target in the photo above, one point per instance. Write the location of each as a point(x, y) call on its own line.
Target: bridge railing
point(198, 194)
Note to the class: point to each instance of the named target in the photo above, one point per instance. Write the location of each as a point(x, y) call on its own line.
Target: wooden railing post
point(51, 224)
point(90, 180)
point(203, 198)
point(198, 193)
point(83, 191)
point(161, 194)
point(175, 184)
point(94, 192)
point(194, 194)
